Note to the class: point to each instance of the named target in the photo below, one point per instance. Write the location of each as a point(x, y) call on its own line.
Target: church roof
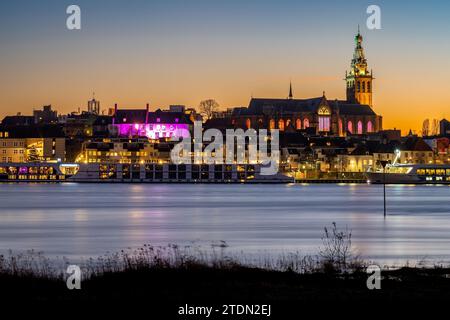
point(355, 109)
point(259, 106)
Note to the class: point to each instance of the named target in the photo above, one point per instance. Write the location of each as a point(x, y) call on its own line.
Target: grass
point(173, 275)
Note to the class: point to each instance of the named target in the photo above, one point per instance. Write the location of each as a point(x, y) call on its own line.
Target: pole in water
point(384, 164)
point(384, 191)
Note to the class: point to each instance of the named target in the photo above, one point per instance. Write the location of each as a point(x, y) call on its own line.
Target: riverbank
point(164, 291)
point(172, 276)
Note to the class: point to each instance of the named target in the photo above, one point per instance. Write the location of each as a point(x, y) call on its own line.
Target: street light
point(384, 163)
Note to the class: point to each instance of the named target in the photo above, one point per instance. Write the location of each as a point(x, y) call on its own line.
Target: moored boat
point(145, 173)
point(411, 174)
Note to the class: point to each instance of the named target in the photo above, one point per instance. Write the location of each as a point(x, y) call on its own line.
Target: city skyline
point(173, 53)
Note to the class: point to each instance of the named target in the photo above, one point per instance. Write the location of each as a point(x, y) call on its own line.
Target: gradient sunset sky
point(180, 52)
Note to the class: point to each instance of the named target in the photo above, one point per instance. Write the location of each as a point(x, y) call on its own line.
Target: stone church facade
point(353, 116)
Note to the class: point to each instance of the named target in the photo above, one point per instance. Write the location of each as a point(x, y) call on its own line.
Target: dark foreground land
point(165, 290)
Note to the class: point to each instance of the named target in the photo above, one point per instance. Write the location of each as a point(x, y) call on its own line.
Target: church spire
point(359, 62)
point(291, 96)
point(359, 78)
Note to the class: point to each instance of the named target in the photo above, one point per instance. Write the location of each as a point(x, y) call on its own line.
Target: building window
point(359, 86)
point(368, 86)
point(324, 124)
point(306, 123)
point(248, 123)
point(363, 87)
point(360, 127)
point(369, 127)
point(272, 124)
point(341, 129)
point(298, 124)
point(350, 127)
point(281, 125)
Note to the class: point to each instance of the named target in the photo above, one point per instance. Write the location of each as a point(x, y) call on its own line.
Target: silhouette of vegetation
point(175, 274)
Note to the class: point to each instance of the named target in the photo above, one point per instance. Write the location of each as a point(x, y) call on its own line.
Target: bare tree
point(426, 127)
point(337, 247)
point(208, 107)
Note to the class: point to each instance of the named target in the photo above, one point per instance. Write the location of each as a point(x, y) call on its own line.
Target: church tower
point(359, 79)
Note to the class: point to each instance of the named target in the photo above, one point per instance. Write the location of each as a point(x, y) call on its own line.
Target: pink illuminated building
point(153, 125)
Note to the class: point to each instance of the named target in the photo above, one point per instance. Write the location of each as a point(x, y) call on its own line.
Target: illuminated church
point(353, 116)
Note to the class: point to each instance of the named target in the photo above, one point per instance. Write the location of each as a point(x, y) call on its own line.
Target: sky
point(164, 52)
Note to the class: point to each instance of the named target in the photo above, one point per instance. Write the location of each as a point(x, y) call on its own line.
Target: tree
point(208, 107)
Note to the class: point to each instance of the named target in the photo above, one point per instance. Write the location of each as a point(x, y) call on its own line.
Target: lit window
point(281, 125)
point(306, 123)
point(324, 124)
point(248, 123)
point(350, 127)
point(360, 127)
point(272, 124)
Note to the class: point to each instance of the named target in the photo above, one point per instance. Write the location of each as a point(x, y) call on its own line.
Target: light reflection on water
point(75, 220)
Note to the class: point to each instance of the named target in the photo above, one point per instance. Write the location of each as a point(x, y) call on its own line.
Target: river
point(88, 220)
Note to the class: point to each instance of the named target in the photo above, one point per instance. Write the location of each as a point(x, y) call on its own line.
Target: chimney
point(114, 115)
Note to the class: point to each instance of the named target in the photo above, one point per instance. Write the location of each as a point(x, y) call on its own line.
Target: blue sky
point(179, 52)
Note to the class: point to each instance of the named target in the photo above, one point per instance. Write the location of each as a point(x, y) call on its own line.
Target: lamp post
point(384, 164)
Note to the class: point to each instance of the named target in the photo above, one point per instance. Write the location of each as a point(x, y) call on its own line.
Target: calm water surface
point(88, 220)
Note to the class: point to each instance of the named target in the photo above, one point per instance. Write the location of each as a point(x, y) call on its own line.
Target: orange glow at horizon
point(403, 106)
point(163, 53)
